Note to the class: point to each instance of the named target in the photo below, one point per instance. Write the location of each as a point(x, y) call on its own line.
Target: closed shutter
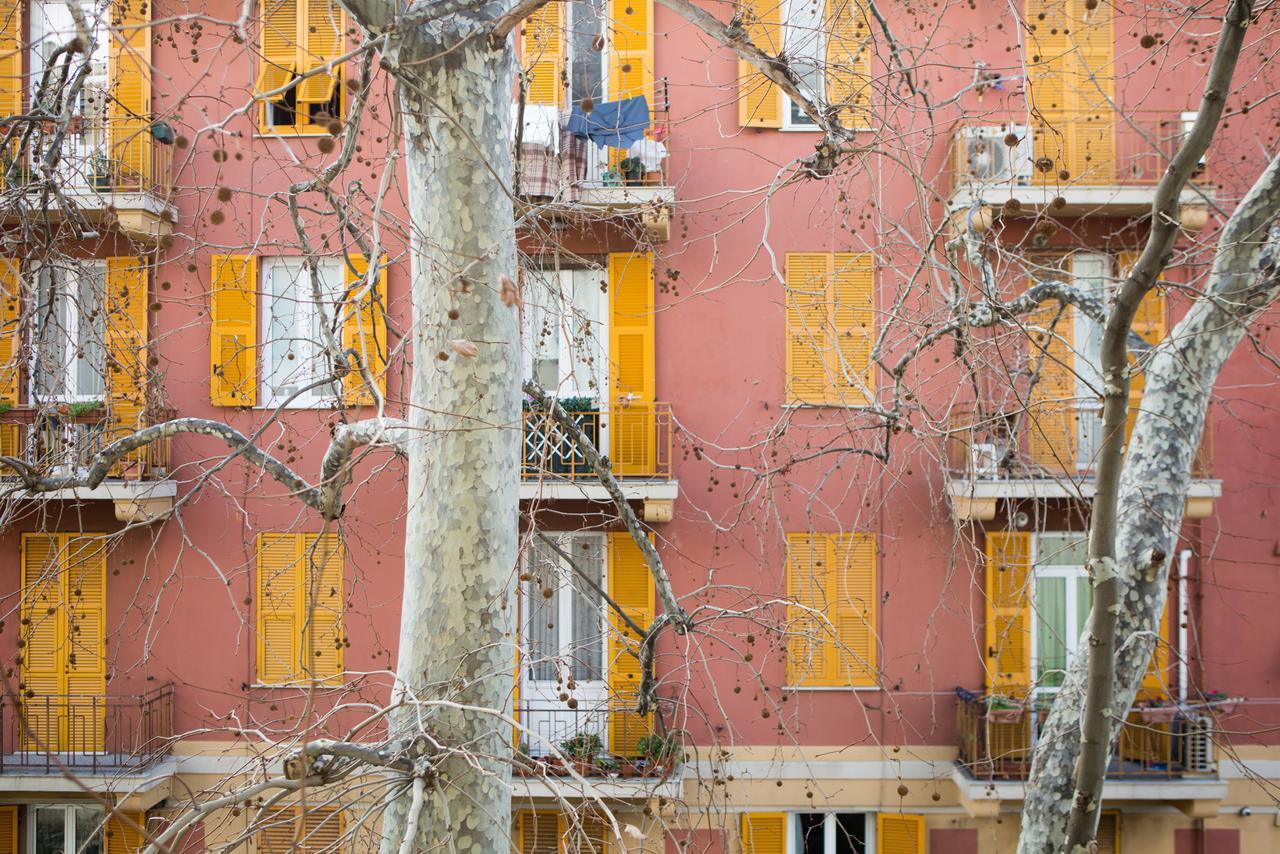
point(43, 654)
point(123, 834)
point(280, 19)
point(326, 597)
point(631, 587)
point(1008, 613)
point(853, 608)
point(1049, 77)
point(899, 833)
point(830, 327)
point(759, 98)
point(848, 70)
point(853, 325)
point(631, 49)
point(542, 54)
point(233, 337)
point(1108, 836)
point(1091, 156)
point(290, 830)
point(583, 833)
point(1051, 409)
point(321, 42)
point(764, 833)
point(364, 330)
point(279, 585)
point(831, 615)
point(8, 830)
point(85, 591)
point(130, 113)
point(633, 436)
point(537, 832)
point(806, 283)
point(126, 344)
point(10, 333)
point(1151, 324)
point(808, 644)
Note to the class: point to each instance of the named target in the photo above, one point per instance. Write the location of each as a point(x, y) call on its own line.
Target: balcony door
point(564, 691)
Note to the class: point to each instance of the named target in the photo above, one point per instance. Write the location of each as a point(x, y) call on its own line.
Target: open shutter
point(10, 333)
point(130, 113)
point(85, 623)
point(1051, 409)
point(233, 322)
point(9, 830)
point(1091, 155)
point(631, 587)
point(321, 42)
point(853, 278)
point(279, 45)
point(631, 49)
point(324, 600)
point(364, 330)
point(899, 833)
point(1008, 612)
point(848, 70)
point(126, 344)
point(632, 417)
point(42, 674)
point(759, 98)
point(279, 589)
point(542, 54)
point(1155, 682)
point(853, 608)
point(807, 379)
point(810, 656)
point(122, 836)
point(764, 833)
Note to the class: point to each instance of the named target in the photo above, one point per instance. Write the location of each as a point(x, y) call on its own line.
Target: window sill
point(827, 406)
point(827, 689)
point(285, 132)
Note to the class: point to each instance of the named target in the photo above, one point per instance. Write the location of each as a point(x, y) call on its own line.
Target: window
point(84, 154)
point(831, 615)
point(830, 328)
point(293, 830)
point(565, 334)
point(831, 833)
point(588, 58)
point(298, 38)
point(293, 329)
point(68, 354)
point(1062, 598)
point(55, 829)
point(301, 596)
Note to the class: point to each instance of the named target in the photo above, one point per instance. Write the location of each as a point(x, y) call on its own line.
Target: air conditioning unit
point(984, 459)
point(992, 160)
point(1197, 744)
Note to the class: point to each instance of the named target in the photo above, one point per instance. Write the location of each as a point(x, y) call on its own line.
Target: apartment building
point(884, 610)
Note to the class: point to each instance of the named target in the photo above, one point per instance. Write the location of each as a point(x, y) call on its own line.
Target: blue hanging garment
point(616, 124)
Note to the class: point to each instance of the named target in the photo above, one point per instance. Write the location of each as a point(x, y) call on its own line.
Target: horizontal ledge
point(1080, 200)
point(1051, 487)
point(1161, 789)
point(587, 490)
point(110, 490)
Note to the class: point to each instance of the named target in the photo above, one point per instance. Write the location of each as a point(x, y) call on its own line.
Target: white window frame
point(1087, 344)
point(566, 641)
point(71, 326)
point(318, 397)
point(829, 829)
point(818, 51)
point(68, 825)
point(1070, 572)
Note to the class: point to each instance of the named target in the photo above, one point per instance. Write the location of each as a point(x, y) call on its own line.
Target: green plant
point(5, 406)
point(583, 746)
point(607, 764)
point(577, 404)
point(661, 749)
point(630, 165)
point(999, 703)
point(83, 407)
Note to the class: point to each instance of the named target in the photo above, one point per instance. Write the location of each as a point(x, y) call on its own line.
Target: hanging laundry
point(616, 124)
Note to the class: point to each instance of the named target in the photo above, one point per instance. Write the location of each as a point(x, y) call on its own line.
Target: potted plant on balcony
point(661, 752)
point(632, 170)
point(1157, 711)
point(100, 177)
point(1003, 710)
point(1220, 702)
point(581, 750)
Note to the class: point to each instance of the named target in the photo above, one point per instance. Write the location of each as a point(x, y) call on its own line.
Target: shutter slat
point(899, 833)
point(632, 418)
point(853, 325)
point(126, 345)
point(542, 54)
point(848, 69)
point(280, 21)
point(325, 599)
point(10, 332)
point(364, 330)
point(1008, 613)
point(321, 42)
point(764, 833)
point(233, 316)
point(123, 837)
point(631, 586)
point(759, 98)
point(279, 633)
point(130, 75)
point(808, 644)
point(807, 315)
point(854, 608)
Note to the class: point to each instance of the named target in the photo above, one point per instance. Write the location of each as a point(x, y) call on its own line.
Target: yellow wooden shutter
point(280, 19)
point(11, 66)
point(279, 603)
point(899, 833)
point(1008, 612)
point(1109, 832)
point(633, 420)
point(631, 49)
point(807, 316)
point(1155, 682)
point(42, 673)
point(10, 331)
point(289, 830)
point(9, 830)
point(1092, 151)
point(853, 608)
point(848, 69)
point(852, 296)
point(764, 833)
point(759, 98)
point(809, 647)
point(85, 592)
point(323, 606)
point(126, 345)
point(123, 837)
point(1049, 78)
point(130, 71)
point(321, 41)
point(631, 587)
point(1150, 323)
point(364, 330)
point(542, 54)
point(233, 336)
point(1051, 410)
point(537, 832)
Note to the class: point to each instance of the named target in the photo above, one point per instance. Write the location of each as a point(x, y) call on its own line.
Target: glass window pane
point(543, 598)
point(285, 353)
point(50, 830)
point(1062, 549)
point(88, 822)
point(804, 47)
point(49, 336)
point(586, 47)
point(851, 833)
point(89, 364)
point(1051, 619)
point(811, 833)
point(587, 649)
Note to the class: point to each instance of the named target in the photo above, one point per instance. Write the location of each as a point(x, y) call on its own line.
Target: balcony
point(116, 172)
point(635, 436)
point(1009, 456)
point(1075, 165)
point(61, 441)
point(1165, 758)
point(87, 734)
point(587, 182)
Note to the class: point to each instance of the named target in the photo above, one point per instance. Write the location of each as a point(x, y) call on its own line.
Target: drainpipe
point(1184, 620)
